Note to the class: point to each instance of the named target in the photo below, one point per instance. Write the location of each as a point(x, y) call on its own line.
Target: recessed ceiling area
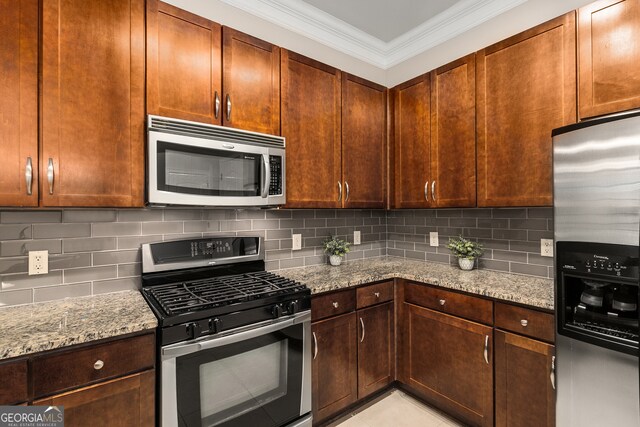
point(383, 19)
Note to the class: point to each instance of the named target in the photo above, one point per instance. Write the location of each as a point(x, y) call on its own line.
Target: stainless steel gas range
point(234, 339)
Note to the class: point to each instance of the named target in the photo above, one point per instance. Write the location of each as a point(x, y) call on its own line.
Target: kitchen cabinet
point(92, 103)
point(608, 54)
point(311, 124)
point(412, 134)
point(364, 136)
point(184, 64)
point(251, 83)
point(525, 88)
point(376, 355)
point(13, 387)
point(19, 103)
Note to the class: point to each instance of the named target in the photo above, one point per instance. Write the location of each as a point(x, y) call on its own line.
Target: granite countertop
point(532, 291)
point(44, 326)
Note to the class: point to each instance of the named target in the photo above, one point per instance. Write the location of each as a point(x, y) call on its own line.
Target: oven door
point(259, 377)
point(185, 170)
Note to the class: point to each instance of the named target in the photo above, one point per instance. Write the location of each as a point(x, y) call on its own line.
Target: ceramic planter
point(335, 259)
point(466, 264)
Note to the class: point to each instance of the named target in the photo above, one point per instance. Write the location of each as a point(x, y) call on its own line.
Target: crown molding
point(304, 19)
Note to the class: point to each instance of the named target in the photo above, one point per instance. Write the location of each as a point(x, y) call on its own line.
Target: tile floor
point(397, 409)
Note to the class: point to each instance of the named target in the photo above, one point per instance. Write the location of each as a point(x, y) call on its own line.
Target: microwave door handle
point(266, 175)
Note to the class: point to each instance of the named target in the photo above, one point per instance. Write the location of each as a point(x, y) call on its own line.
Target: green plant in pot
point(466, 251)
point(336, 249)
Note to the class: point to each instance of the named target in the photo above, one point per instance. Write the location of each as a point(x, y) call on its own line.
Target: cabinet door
point(19, 102)
point(122, 402)
point(453, 134)
point(184, 64)
point(524, 391)
point(92, 103)
point(412, 133)
point(447, 361)
point(334, 367)
point(364, 136)
point(376, 355)
point(526, 88)
point(608, 56)
point(251, 83)
point(311, 126)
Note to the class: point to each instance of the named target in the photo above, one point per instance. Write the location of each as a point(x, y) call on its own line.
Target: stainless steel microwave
point(198, 164)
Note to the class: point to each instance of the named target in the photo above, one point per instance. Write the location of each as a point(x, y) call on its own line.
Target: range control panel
point(598, 258)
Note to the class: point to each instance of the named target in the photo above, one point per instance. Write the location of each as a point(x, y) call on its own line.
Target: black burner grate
point(185, 297)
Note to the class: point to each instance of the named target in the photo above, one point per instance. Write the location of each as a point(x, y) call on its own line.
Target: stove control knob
point(276, 311)
point(292, 307)
point(215, 325)
point(193, 330)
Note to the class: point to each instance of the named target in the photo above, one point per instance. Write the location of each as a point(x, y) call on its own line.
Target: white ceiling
point(383, 33)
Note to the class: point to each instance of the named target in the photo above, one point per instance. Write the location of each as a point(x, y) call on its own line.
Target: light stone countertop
point(32, 328)
point(532, 291)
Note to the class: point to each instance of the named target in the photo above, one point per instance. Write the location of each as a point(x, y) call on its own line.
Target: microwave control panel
point(275, 185)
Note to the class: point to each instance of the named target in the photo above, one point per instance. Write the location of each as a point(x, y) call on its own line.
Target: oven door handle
point(181, 350)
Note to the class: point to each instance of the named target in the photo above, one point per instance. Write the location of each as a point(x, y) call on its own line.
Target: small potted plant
point(466, 251)
point(336, 249)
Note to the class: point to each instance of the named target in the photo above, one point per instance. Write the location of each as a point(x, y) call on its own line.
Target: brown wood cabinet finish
point(92, 103)
point(524, 393)
point(311, 124)
point(364, 137)
point(335, 378)
point(453, 134)
point(333, 303)
point(59, 371)
point(251, 82)
point(122, 402)
point(525, 321)
point(184, 64)
point(374, 294)
point(13, 382)
point(19, 102)
point(411, 150)
point(526, 86)
point(443, 360)
point(376, 348)
point(608, 54)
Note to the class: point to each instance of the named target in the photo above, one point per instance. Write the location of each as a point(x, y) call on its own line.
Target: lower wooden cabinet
point(123, 402)
point(13, 382)
point(525, 394)
point(376, 355)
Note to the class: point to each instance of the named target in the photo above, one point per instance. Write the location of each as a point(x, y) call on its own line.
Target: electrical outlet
point(546, 247)
point(297, 242)
point(356, 237)
point(38, 262)
point(433, 238)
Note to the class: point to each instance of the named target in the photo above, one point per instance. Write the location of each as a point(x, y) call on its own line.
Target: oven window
point(195, 170)
point(257, 382)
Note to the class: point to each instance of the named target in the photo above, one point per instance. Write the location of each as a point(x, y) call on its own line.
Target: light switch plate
point(433, 238)
point(356, 237)
point(38, 262)
point(297, 242)
point(546, 247)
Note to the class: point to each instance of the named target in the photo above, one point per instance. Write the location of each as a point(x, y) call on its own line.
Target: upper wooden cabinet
point(19, 103)
point(251, 82)
point(311, 126)
point(364, 136)
point(453, 134)
point(608, 56)
point(184, 64)
point(526, 87)
point(92, 103)
point(412, 135)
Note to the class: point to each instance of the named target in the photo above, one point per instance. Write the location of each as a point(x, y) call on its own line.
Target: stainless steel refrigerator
point(596, 166)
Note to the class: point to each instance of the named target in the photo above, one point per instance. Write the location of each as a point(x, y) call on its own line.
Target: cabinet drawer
point(374, 294)
point(472, 308)
point(13, 383)
point(333, 304)
point(75, 368)
point(524, 321)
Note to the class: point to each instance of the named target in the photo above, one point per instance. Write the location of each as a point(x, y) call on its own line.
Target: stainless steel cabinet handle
point(98, 365)
point(346, 184)
point(433, 191)
point(524, 322)
point(28, 175)
point(50, 175)
point(266, 177)
point(335, 304)
point(442, 302)
point(362, 324)
point(426, 191)
point(377, 294)
point(216, 111)
point(228, 107)
point(339, 191)
point(486, 349)
point(315, 346)
point(552, 376)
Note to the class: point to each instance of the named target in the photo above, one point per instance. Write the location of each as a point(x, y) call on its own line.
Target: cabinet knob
point(442, 302)
point(524, 322)
point(98, 365)
point(335, 304)
point(377, 294)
